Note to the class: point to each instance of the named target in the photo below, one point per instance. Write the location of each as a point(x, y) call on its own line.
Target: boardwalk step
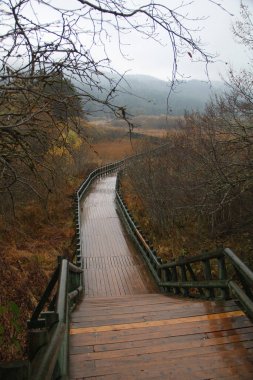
point(173, 336)
point(124, 330)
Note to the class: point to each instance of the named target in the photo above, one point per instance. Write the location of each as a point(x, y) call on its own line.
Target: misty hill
point(146, 95)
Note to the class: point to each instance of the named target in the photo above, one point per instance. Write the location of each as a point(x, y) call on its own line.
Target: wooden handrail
point(180, 277)
point(240, 266)
point(245, 301)
point(46, 356)
point(194, 259)
point(170, 277)
point(52, 282)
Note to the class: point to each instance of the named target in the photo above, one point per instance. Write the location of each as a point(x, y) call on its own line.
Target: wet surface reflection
point(112, 266)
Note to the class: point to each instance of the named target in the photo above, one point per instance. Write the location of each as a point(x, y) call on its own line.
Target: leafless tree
point(45, 43)
point(243, 27)
point(206, 173)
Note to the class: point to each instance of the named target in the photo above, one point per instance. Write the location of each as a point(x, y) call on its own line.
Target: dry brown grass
point(31, 242)
point(187, 240)
point(109, 151)
point(104, 129)
point(159, 133)
point(30, 245)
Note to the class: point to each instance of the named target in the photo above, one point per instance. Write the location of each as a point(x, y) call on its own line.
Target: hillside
point(146, 95)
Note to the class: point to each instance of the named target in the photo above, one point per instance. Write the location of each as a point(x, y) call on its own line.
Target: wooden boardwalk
point(124, 330)
point(111, 265)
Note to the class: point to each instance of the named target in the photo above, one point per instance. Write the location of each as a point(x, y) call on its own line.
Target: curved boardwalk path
point(124, 329)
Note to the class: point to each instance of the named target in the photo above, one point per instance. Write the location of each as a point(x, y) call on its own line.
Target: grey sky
point(146, 57)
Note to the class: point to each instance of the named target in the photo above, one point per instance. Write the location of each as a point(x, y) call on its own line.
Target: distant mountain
point(146, 95)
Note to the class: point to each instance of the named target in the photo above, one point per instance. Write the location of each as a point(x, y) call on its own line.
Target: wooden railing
point(208, 276)
point(241, 285)
point(220, 274)
point(48, 330)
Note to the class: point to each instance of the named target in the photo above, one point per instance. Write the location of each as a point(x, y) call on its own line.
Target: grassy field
point(108, 151)
point(109, 143)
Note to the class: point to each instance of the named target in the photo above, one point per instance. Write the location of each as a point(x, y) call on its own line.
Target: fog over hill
point(146, 95)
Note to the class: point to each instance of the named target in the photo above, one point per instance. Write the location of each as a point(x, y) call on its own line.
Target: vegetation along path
point(124, 329)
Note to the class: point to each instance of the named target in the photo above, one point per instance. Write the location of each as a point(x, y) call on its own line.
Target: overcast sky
point(146, 57)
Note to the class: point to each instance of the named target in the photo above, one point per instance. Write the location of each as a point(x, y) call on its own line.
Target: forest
point(196, 194)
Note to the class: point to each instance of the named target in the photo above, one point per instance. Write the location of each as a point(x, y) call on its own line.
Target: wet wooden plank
point(158, 338)
point(166, 308)
point(162, 322)
point(187, 363)
point(133, 318)
point(124, 330)
point(241, 335)
point(112, 267)
point(165, 345)
point(219, 342)
point(123, 336)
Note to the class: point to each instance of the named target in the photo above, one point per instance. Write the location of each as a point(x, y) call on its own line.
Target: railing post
point(37, 338)
point(183, 276)
point(176, 291)
point(62, 308)
point(166, 277)
point(223, 276)
point(208, 277)
point(194, 278)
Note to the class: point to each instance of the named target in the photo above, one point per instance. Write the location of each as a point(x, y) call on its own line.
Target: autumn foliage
point(197, 193)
